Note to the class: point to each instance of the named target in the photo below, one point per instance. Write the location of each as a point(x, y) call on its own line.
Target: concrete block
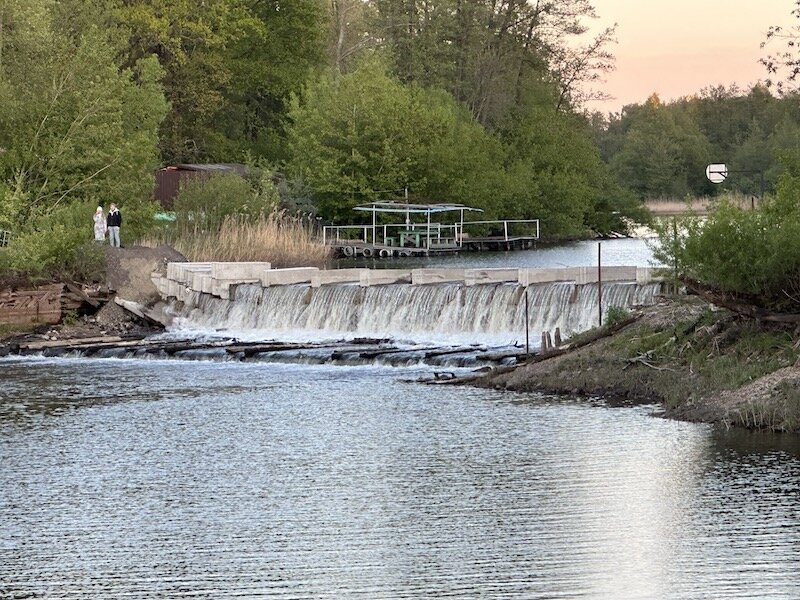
point(484, 276)
point(428, 276)
point(370, 277)
point(174, 289)
point(532, 276)
point(221, 287)
point(647, 275)
point(183, 271)
point(238, 270)
point(618, 273)
point(287, 276)
point(330, 276)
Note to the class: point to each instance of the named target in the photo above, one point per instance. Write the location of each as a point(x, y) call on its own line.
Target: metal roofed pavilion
point(406, 208)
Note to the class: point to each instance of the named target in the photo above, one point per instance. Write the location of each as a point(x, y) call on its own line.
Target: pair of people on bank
point(111, 223)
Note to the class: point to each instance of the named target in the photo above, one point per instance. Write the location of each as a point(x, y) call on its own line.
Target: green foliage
point(58, 245)
point(79, 128)
point(615, 315)
point(203, 204)
point(230, 66)
point(365, 136)
point(661, 150)
point(756, 253)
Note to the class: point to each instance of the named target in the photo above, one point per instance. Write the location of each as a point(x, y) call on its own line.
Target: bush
point(203, 204)
point(743, 251)
point(614, 315)
point(59, 244)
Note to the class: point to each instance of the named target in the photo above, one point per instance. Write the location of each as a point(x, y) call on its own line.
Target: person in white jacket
point(99, 225)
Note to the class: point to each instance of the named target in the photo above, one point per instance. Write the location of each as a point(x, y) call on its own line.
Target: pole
point(527, 321)
point(675, 252)
point(599, 288)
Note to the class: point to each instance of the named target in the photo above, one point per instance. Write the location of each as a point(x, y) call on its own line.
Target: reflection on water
point(217, 480)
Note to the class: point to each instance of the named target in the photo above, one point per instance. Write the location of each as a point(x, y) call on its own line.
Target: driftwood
point(585, 340)
point(738, 305)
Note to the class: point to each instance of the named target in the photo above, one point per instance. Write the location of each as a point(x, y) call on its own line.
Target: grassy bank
point(701, 364)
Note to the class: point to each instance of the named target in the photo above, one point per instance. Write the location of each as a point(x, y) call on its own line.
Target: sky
point(677, 47)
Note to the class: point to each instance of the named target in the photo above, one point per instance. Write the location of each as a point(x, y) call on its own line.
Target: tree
point(78, 132)
point(79, 128)
point(365, 136)
point(783, 66)
point(663, 154)
point(485, 52)
point(230, 67)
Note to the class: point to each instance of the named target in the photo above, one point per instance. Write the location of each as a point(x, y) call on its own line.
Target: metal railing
point(5, 238)
point(437, 234)
point(506, 229)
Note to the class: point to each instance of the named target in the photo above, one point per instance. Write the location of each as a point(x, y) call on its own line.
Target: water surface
point(168, 479)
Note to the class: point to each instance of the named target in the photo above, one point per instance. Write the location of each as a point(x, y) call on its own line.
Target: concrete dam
point(418, 305)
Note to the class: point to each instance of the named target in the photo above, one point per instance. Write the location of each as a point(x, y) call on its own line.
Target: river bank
point(699, 362)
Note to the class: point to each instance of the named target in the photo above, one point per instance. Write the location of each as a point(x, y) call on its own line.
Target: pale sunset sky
point(677, 47)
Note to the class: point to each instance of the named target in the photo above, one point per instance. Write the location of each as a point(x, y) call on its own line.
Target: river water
point(133, 478)
point(623, 251)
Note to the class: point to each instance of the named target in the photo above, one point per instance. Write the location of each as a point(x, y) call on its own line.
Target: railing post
point(505, 229)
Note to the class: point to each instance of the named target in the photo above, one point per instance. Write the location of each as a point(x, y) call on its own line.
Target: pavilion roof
point(404, 207)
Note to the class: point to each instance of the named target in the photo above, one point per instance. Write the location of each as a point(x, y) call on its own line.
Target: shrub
point(614, 315)
point(743, 251)
point(59, 244)
point(202, 205)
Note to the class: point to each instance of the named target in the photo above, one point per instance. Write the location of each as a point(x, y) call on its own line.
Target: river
point(134, 478)
point(623, 251)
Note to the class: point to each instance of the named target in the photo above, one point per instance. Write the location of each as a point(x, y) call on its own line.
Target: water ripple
point(147, 479)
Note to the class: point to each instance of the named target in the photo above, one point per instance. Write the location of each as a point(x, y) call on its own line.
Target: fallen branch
point(747, 309)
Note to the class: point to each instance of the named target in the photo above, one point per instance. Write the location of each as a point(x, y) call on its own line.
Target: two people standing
point(110, 223)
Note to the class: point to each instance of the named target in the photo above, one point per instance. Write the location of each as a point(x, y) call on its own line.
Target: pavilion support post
point(428, 233)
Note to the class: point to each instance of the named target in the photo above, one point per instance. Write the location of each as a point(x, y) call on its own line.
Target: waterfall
point(441, 313)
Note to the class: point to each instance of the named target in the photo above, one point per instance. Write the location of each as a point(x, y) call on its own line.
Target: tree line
point(661, 150)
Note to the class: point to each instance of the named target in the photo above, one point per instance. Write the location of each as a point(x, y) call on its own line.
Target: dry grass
point(275, 238)
point(700, 206)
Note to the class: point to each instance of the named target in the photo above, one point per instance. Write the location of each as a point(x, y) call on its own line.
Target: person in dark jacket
point(114, 221)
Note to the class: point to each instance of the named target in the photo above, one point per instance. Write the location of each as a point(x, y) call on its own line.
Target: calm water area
point(136, 478)
point(623, 251)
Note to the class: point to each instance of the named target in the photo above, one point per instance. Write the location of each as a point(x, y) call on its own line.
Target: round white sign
point(716, 173)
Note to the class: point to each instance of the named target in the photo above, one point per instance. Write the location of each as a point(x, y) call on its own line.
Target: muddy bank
point(701, 363)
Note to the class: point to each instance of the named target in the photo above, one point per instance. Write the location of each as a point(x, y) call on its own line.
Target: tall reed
point(282, 240)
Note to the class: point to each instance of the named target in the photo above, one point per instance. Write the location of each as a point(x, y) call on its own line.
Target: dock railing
point(394, 234)
point(426, 235)
point(507, 229)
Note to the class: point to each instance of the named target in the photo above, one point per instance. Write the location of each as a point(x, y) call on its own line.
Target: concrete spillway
point(446, 312)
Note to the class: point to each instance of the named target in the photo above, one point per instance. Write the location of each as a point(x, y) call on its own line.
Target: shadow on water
point(742, 442)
